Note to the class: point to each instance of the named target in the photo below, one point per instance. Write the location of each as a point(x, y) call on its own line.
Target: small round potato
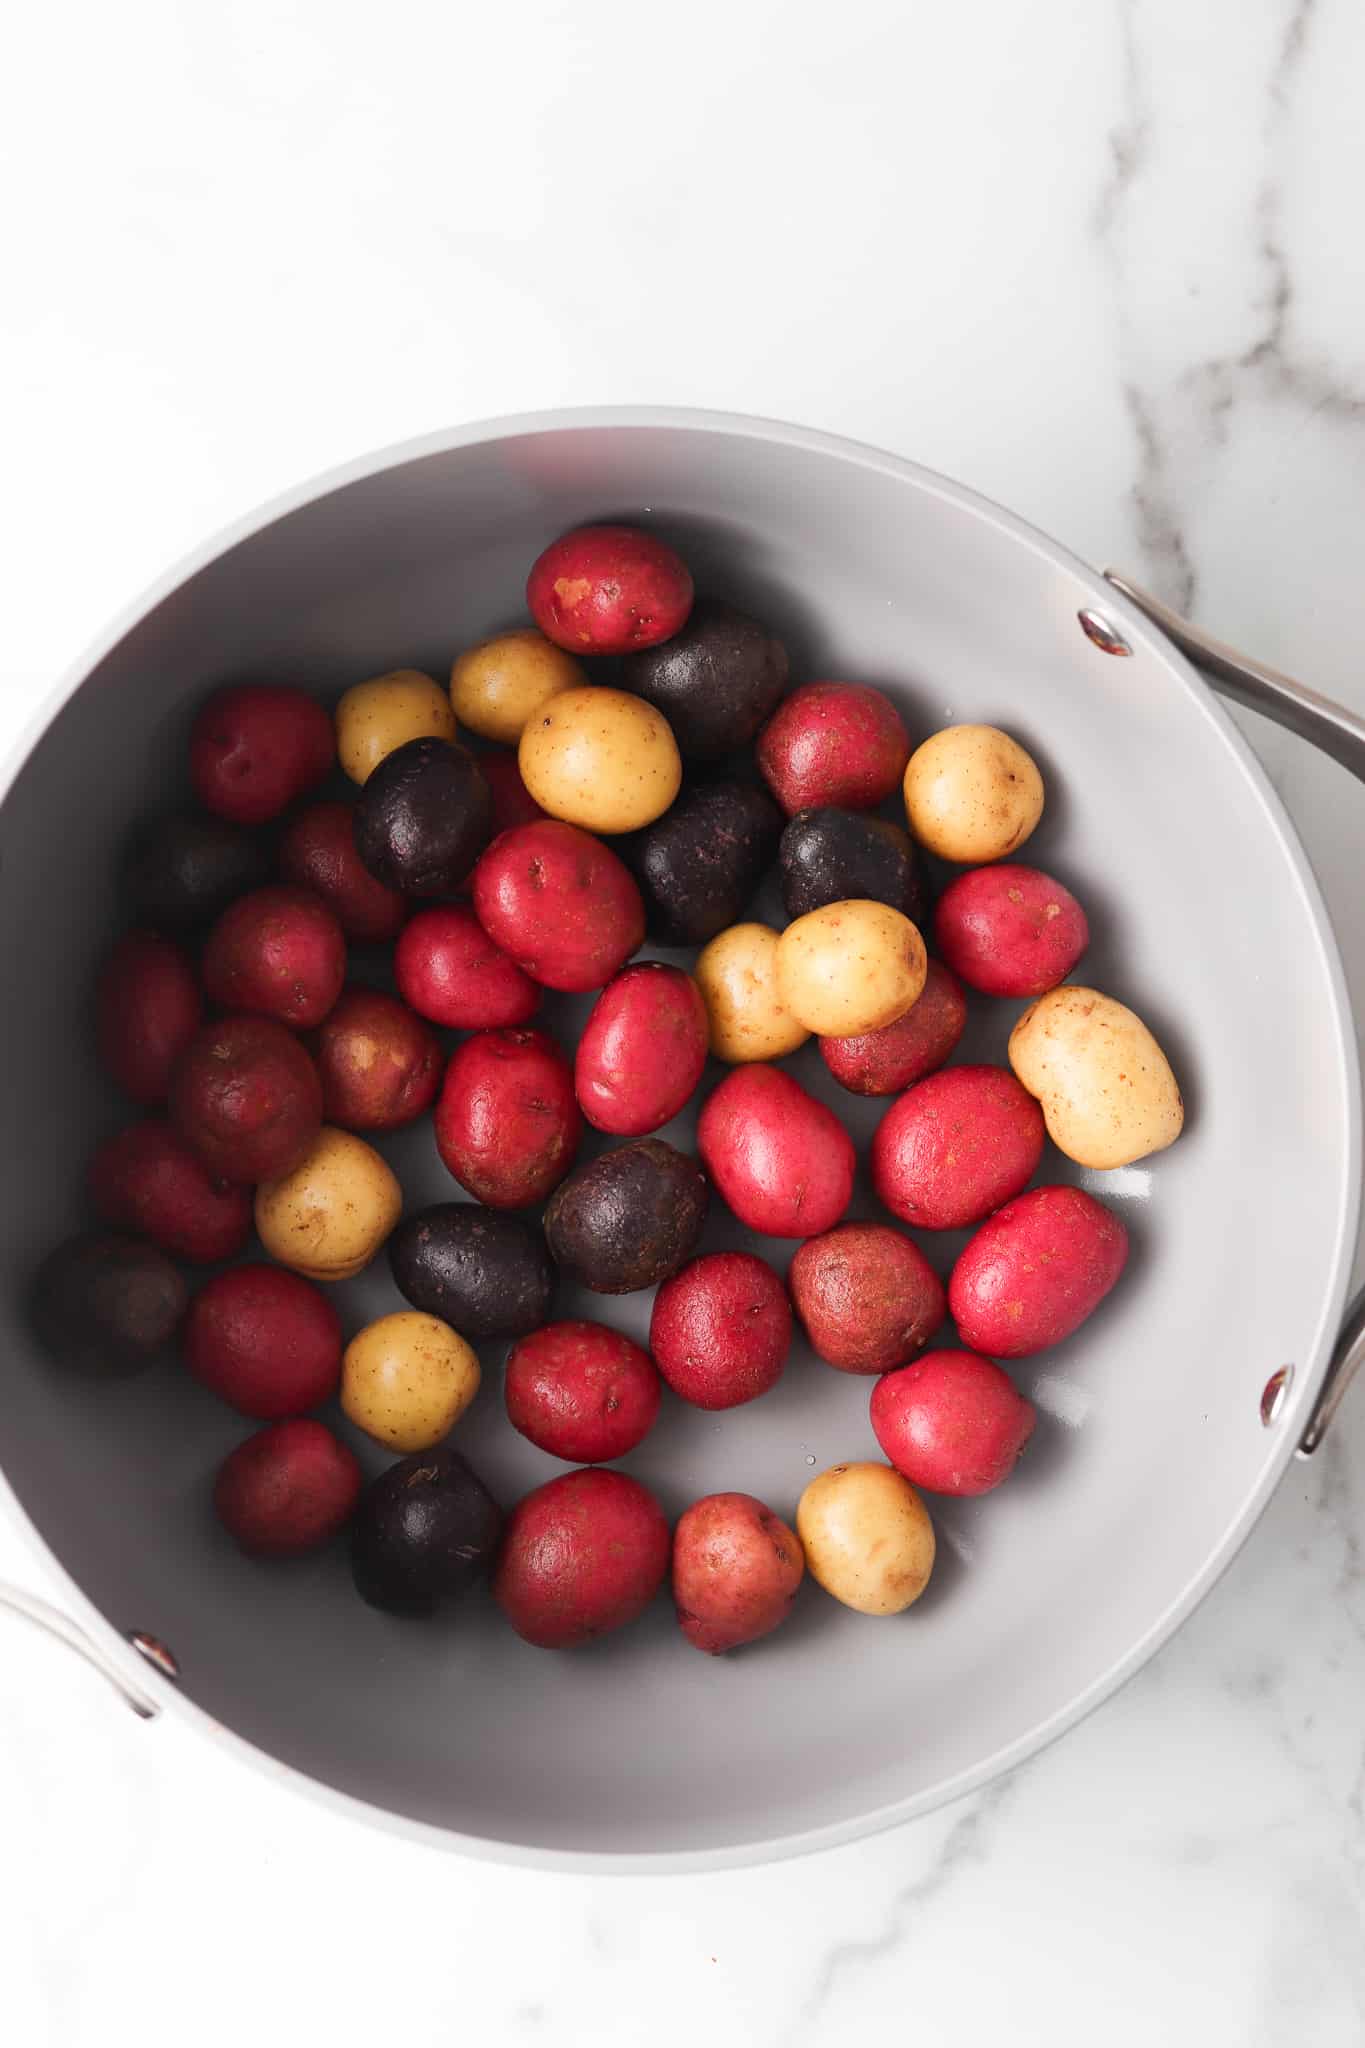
point(328, 1218)
point(407, 1379)
point(497, 686)
point(867, 1537)
point(601, 759)
point(375, 717)
point(1106, 1088)
point(850, 967)
point(972, 794)
point(737, 976)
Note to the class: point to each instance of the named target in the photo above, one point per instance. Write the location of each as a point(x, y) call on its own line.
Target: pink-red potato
point(721, 1330)
point(737, 1570)
point(833, 743)
point(580, 1391)
point(867, 1297)
point(148, 1180)
point(289, 1488)
point(279, 952)
point(1035, 1271)
point(1010, 930)
point(380, 1065)
point(513, 803)
point(147, 1009)
point(642, 1050)
point(248, 1098)
point(448, 969)
point(266, 1341)
point(955, 1146)
point(507, 1122)
point(559, 903)
point(608, 590)
point(781, 1161)
point(919, 1043)
point(582, 1555)
point(952, 1422)
point(318, 852)
point(255, 747)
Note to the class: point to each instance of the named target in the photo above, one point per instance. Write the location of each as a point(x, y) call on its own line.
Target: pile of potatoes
point(522, 831)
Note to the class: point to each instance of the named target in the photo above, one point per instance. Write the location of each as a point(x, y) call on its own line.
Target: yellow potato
point(867, 1537)
point(1106, 1088)
point(407, 1379)
point(601, 759)
point(972, 794)
point(499, 685)
point(737, 976)
point(328, 1218)
point(850, 967)
point(375, 717)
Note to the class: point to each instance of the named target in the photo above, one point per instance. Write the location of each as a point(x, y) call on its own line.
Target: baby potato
point(867, 1537)
point(407, 1379)
point(972, 794)
point(1106, 1088)
point(498, 685)
point(375, 717)
point(850, 967)
point(328, 1218)
point(601, 759)
point(747, 1017)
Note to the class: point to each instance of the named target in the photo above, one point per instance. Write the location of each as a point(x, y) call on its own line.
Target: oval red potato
point(608, 590)
point(866, 1295)
point(833, 743)
point(248, 1098)
point(721, 1330)
point(507, 1122)
point(448, 969)
point(559, 903)
point(737, 1570)
point(289, 1488)
point(279, 952)
point(380, 1065)
point(919, 1043)
point(582, 1555)
point(952, 1422)
point(318, 852)
point(1010, 930)
point(150, 1181)
point(266, 1341)
point(580, 1391)
point(147, 1009)
point(955, 1146)
point(781, 1161)
point(1035, 1271)
point(257, 746)
point(642, 1050)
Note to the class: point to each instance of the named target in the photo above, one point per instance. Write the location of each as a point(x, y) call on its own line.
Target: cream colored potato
point(850, 967)
point(601, 759)
point(407, 1379)
point(737, 976)
point(499, 685)
point(1106, 1088)
point(867, 1537)
point(375, 717)
point(972, 794)
point(328, 1218)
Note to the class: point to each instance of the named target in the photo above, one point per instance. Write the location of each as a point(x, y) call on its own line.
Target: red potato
point(867, 1297)
point(1035, 1271)
point(642, 1050)
point(919, 1043)
point(582, 1555)
point(255, 747)
point(513, 803)
point(507, 1123)
point(781, 1160)
point(737, 1570)
point(449, 970)
point(559, 903)
point(952, 1422)
point(248, 1099)
point(721, 1330)
point(833, 743)
point(279, 952)
point(265, 1340)
point(289, 1488)
point(955, 1146)
point(380, 1066)
point(147, 1009)
point(148, 1180)
point(1010, 930)
point(318, 853)
point(580, 1391)
point(608, 590)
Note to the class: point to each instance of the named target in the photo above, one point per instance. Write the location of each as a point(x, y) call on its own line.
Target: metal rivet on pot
point(1275, 1393)
point(1102, 632)
point(155, 1651)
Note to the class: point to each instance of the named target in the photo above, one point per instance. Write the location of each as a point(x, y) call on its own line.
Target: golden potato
point(496, 687)
point(850, 967)
point(601, 759)
point(407, 1379)
point(328, 1218)
point(375, 717)
point(972, 794)
point(867, 1537)
point(746, 1016)
point(1106, 1088)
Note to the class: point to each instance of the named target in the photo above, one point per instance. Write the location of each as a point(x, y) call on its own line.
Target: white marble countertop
point(1100, 262)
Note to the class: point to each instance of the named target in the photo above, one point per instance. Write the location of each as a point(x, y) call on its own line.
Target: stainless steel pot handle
point(70, 1632)
point(1337, 732)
